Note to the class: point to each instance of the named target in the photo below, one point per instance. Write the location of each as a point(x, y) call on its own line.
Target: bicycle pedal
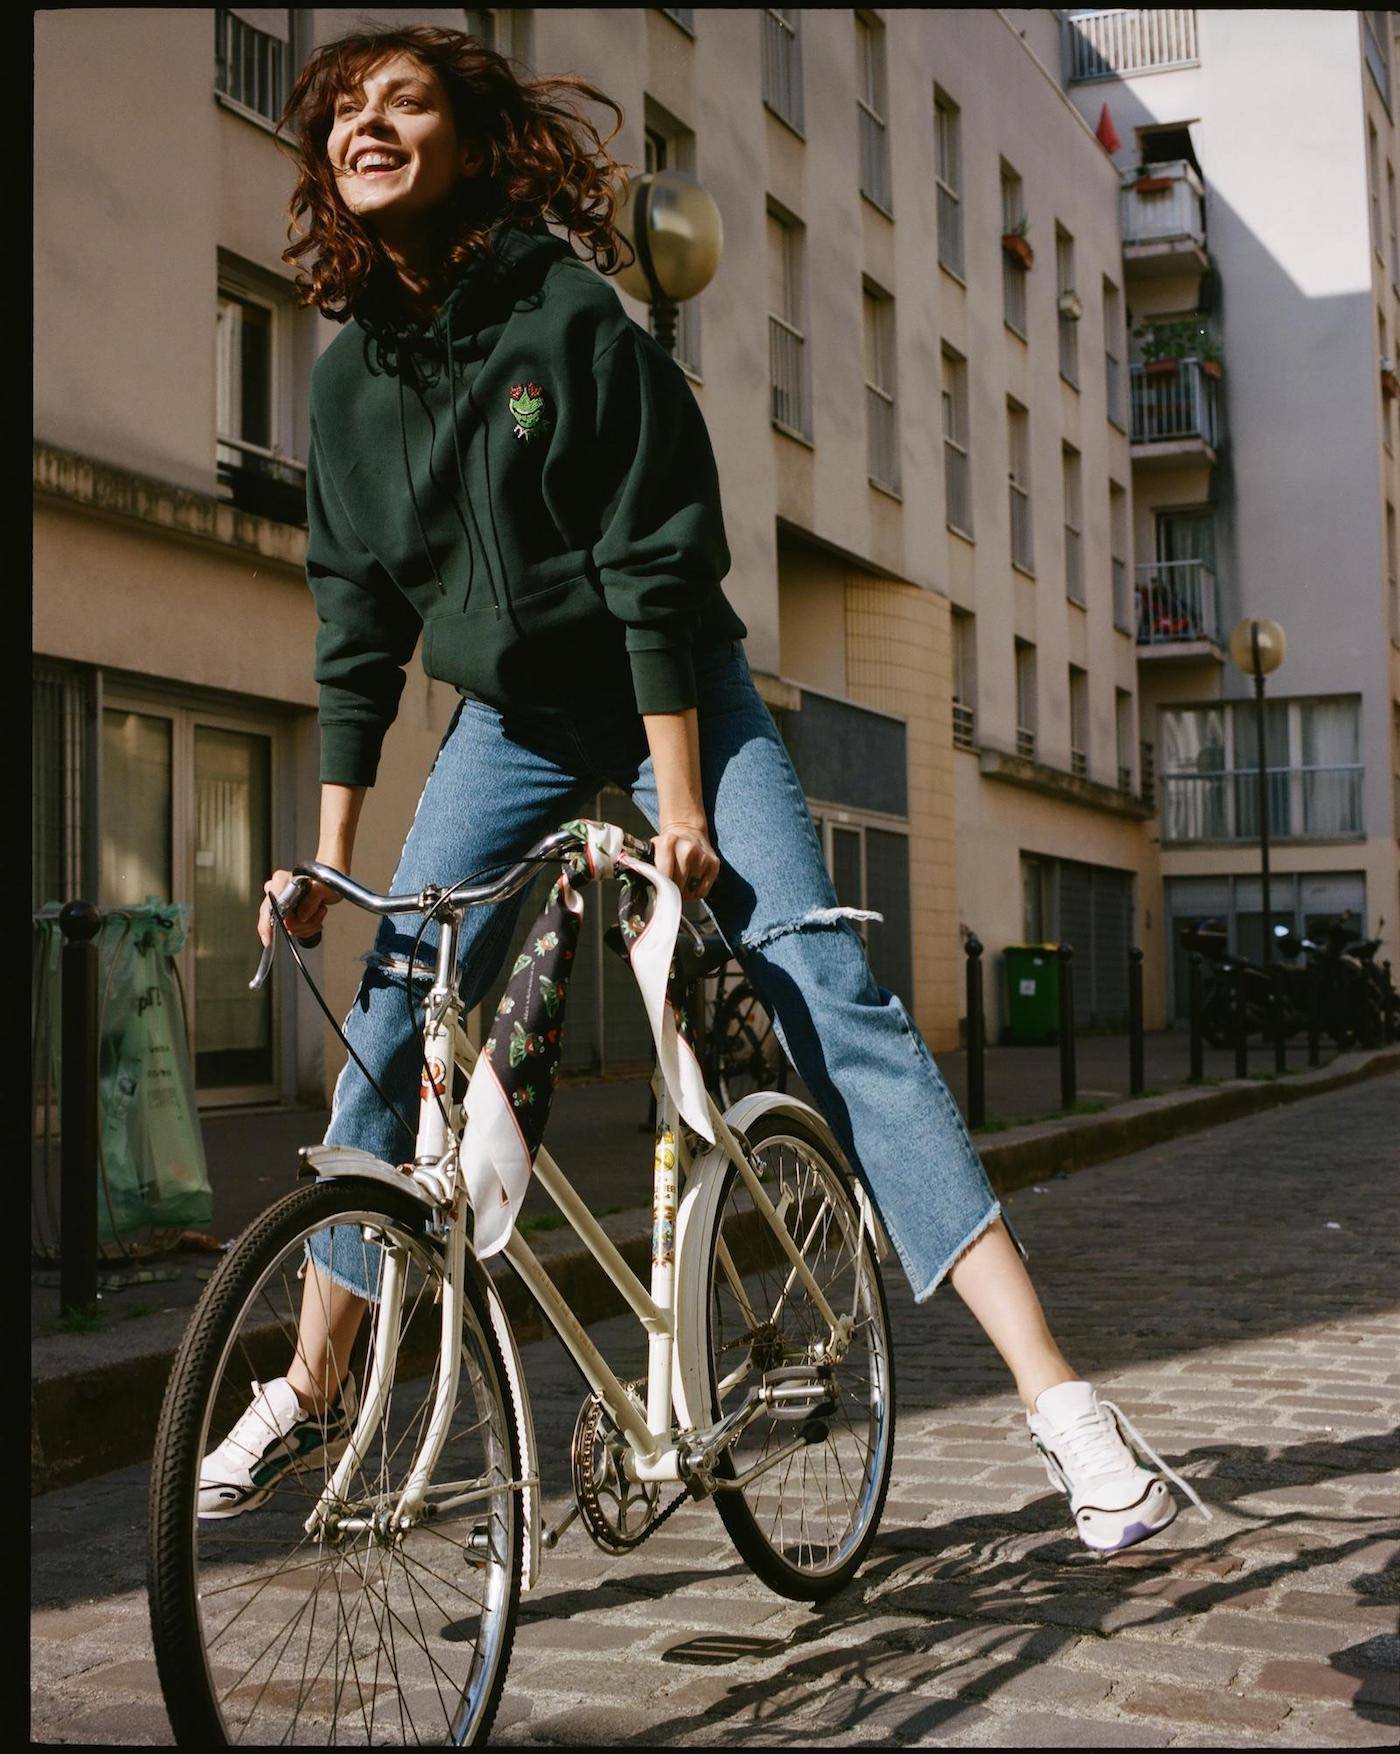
point(798, 1391)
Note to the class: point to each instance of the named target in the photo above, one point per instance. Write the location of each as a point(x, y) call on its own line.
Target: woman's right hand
point(308, 915)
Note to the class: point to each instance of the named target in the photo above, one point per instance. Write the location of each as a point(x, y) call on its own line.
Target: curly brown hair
point(543, 160)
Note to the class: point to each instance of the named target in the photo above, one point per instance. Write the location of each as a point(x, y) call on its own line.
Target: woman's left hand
point(684, 854)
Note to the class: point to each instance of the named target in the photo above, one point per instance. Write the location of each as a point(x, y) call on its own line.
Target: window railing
point(782, 67)
point(1069, 348)
point(1156, 215)
point(964, 725)
point(1316, 802)
point(262, 481)
point(1147, 763)
point(787, 374)
point(957, 473)
point(1013, 300)
point(950, 230)
point(1125, 778)
point(1177, 600)
point(884, 452)
point(1118, 40)
point(250, 66)
point(1122, 604)
point(874, 157)
point(1074, 566)
point(1025, 743)
point(1178, 405)
point(1021, 551)
point(1078, 764)
point(1113, 387)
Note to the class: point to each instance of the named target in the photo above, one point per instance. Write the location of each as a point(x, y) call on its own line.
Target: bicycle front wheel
point(341, 1628)
point(803, 1522)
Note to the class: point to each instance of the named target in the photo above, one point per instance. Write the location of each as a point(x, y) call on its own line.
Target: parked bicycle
point(374, 1596)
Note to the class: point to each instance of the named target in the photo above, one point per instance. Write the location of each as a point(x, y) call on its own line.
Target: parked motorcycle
point(1356, 1000)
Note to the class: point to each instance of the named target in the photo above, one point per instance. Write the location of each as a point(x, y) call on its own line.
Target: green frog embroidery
point(527, 405)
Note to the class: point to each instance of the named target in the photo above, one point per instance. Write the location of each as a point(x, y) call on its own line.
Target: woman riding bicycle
point(502, 460)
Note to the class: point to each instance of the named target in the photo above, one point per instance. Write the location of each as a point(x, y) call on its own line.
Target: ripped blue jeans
point(503, 779)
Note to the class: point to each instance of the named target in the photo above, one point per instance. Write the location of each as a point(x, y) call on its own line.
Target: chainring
point(618, 1513)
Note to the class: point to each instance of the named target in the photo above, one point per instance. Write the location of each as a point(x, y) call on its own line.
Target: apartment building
point(1258, 161)
point(913, 362)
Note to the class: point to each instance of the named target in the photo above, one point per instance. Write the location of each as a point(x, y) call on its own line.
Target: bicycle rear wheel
point(804, 1525)
point(744, 1051)
point(266, 1632)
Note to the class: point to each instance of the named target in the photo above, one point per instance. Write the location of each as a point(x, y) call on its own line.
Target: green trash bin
point(1032, 992)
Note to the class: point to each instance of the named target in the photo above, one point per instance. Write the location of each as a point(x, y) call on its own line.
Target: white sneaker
point(275, 1435)
point(1115, 1501)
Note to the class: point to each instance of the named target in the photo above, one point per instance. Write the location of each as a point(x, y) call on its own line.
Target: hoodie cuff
point(663, 678)
point(350, 754)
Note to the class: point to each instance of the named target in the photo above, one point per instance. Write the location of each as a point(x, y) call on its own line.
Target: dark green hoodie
point(528, 479)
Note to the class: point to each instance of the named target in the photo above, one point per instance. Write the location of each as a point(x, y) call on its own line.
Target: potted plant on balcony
point(1015, 242)
point(1163, 347)
point(1147, 181)
point(1390, 383)
point(1069, 304)
point(1209, 353)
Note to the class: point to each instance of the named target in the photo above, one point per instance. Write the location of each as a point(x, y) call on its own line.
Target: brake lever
point(287, 899)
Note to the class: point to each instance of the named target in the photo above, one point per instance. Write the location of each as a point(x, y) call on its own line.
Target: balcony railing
point(1021, 551)
point(787, 375)
point(1303, 801)
point(958, 481)
point(884, 452)
point(1158, 215)
point(964, 725)
point(1178, 405)
point(1103, 44)
point(1177, 600)
point(262, 481)
point(1025, 743)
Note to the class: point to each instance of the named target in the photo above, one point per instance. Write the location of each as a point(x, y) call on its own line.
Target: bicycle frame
point(660, 1448)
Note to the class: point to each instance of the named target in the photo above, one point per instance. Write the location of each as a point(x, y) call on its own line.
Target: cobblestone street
point(1234, 1292)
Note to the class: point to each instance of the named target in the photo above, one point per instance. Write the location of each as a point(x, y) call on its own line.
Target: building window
point(684, 16)
point(964, 635)
point(63, 766)
point(947, 126)
point(782, 64)
point(506, 29)
point(957, 463)
point(1013, 270)
point(871, 113)
point(1376, 41)
point(869, 866)
point(252, 398)
point(1078, 722)
point(1068, 324)
point(881, 429)
point(252, 58)
point(1392, 574)
point(1118, 547)
point(1123, 737)
point(1383, 340)
point(1019, 482)
point(668, 145)
point(1122, 40)
point(1112, 355)
point(1074, 518)
point(1390, 221)
point(1025, 699)
point(1210, 770)
point(1373, 185)
point(787, 362)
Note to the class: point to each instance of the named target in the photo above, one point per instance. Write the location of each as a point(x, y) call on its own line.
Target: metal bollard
point(976, 1036)
point(80, 922)
point(1237, 1018)
point(1315, 1012)
point(1068, 1082)
point(1276, 1019)
point(1198, 1045)
point(1137, 1083)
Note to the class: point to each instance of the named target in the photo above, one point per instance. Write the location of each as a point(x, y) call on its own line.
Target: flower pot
point(1152, 185)
point(1390, 385)
point(1213, 368)
point(1159, 368)
point(1015, 245)
point(1069, 304)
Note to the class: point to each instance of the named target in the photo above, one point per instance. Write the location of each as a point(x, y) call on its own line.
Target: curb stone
point(87, 1421)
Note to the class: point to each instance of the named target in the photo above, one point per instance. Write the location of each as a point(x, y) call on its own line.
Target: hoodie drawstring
point(408, 476)
point(457, 454)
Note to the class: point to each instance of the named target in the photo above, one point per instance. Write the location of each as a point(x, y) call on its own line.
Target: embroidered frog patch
point(532, 419)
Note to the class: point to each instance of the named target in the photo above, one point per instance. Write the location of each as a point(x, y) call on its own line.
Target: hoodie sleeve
point(367, 633)
point(661, 552)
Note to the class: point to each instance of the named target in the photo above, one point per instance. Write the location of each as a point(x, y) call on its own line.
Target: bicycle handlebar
point(460, 895)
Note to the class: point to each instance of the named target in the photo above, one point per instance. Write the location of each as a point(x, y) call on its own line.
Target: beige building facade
point(927, 485)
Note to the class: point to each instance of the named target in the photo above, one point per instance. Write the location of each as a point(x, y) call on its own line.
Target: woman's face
point(394, 148)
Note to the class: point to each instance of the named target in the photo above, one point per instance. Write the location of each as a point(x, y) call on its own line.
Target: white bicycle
point(373, 1597)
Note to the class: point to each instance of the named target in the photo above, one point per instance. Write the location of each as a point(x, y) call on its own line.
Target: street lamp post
point(1258, 647)
point(674, 226)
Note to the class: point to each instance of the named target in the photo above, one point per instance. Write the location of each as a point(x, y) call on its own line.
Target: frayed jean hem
point(982, 1224)
point(335, 1276)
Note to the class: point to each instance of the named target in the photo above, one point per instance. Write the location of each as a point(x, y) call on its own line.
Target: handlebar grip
point(287, 899)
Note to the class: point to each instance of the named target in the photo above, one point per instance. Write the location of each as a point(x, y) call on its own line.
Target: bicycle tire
point(742, 1517)
point(184, 1434)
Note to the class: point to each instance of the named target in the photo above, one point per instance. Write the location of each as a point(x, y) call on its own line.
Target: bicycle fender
point(525, 1429)
point(759, 1102)
point(332, 1162)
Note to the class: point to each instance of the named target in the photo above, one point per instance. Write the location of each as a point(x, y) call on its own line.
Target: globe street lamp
point(1258, 647)
point(674, 226)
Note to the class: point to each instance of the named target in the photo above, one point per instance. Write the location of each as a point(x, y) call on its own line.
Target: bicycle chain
point(595, 1519)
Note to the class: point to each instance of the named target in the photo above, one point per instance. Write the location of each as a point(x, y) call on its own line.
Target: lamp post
point(674, 226)
point(1258, 647)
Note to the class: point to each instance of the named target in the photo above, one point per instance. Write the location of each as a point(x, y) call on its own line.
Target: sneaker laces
point(258, 1424)
point(1171, 1473)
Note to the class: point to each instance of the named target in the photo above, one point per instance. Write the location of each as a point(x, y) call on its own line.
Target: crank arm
point(814, 1432)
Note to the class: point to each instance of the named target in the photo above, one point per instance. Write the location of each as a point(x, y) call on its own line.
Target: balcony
point(1173, 412)
point(1164, 221)
point(1119, 40)
point(1305, 803)
point(1178, 611)
point(255, 479)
